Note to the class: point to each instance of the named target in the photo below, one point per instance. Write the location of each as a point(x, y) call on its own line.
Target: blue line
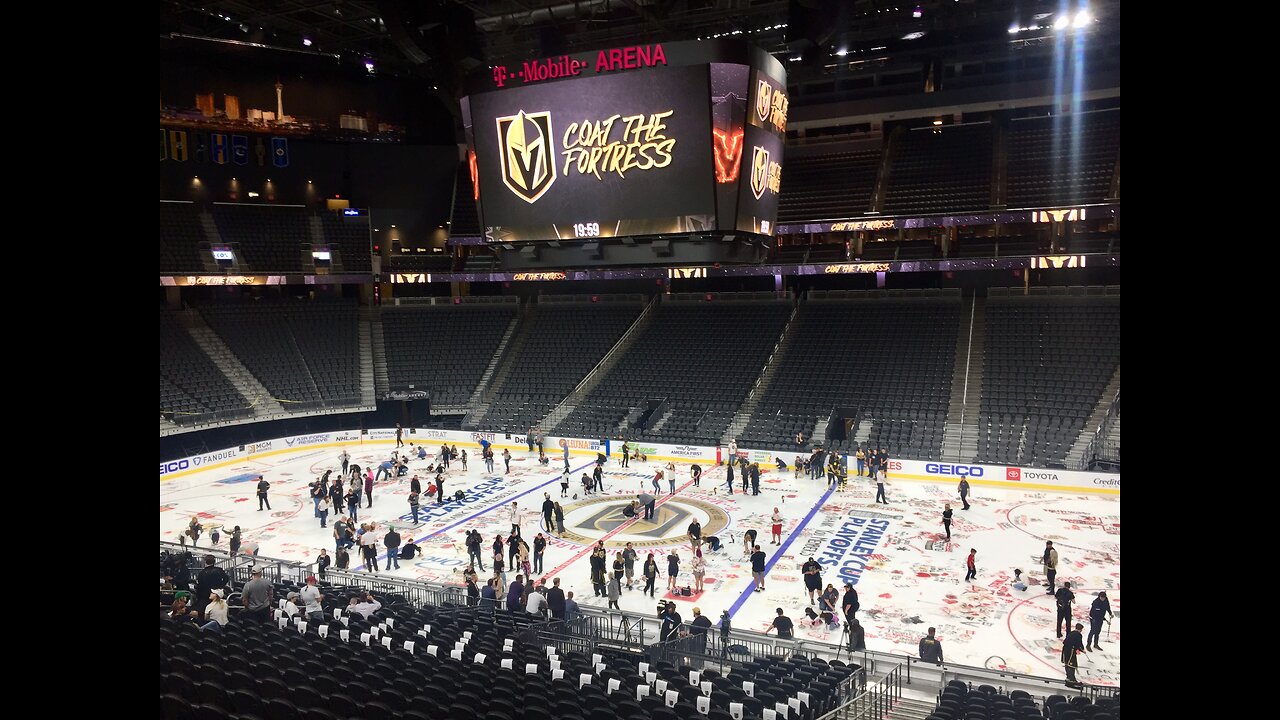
point(555, 479)
point(782, 549)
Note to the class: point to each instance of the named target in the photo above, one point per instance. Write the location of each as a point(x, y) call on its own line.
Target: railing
point(874, 702)
point(638, 633)
point(1099, 452)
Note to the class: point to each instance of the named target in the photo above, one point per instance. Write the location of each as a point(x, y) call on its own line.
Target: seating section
point(887, 360)
point(238, 672)
point(701, 357)
point(828, 186)
point(564, 341)
point(307, 354)
point(348, 239)
point(192, 388)
point(941, 169)
point(180, 238)
point(958, 701)
point(1048, 360)
point(1062, 159)
point(442, 348)
point(269, 238)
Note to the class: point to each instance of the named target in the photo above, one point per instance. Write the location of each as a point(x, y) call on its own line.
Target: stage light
point(1061, 22)
point(306, 42)
point(917, 12)
point(841, 52)
point(368, 65)
point(1082, 19)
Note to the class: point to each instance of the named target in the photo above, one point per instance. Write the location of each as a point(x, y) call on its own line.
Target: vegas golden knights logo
point(759, 171)
point(524, 146)
point(764, 100)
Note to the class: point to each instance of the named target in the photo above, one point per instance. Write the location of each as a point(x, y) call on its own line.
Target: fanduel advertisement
point(602, 156)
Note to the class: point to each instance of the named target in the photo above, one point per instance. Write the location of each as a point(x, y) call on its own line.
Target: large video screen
point(606, 156)
point(570, 149)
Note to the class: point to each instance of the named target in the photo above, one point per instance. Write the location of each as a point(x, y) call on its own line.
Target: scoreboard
point(648, 140)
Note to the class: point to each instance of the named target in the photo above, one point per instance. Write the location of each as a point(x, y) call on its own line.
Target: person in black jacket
point(392, 541)
point(931, 648)
point(210, 578)
point(555, 600)
point(1098, 612)
point(696, 471)
point(698, 630)
point(946, 520)
point(539, 546)
point(858, 637)
point(598, 561)
point(1070, 649)
point(671, 622)
point(548, 511)
point(1065, 598)
point(850, 603)
point(263, 486)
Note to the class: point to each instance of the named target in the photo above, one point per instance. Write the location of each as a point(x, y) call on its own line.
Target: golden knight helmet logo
point(764, 99)
point(759, 171)
point(524, 146)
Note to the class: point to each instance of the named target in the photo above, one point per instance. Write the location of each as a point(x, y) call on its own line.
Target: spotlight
point(306, 42)
point(1082, 19)
point(368, 65)
point(1061, 22)
point(917, 12)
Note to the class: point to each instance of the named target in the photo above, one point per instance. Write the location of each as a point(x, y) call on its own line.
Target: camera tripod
point(846, 639)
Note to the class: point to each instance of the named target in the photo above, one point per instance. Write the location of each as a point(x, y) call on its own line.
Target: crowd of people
point(202, 598)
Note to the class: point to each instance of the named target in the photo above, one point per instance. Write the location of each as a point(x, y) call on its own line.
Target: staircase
point(258, 396)
point(368, 386)
point(743, 417)
point(316, 229)
point(210, 228)
point(820, 429)
point(381, 378)
point(1076, 453)
point(602, 368)
point(862, 432)
point(661, 421)
point(961, 432)
point(476, 406)
point(910, 709)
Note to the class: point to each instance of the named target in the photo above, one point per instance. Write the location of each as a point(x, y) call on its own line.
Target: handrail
point(874, 702)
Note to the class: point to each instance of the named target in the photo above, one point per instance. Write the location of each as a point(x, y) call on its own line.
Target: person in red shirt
point(973, 569)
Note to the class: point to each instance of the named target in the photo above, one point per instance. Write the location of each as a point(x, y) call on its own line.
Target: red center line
point(591, 548)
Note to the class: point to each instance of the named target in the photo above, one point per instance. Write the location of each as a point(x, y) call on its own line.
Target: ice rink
point(907, 575)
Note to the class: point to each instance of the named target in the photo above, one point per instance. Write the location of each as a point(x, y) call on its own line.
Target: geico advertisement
point(594, 151)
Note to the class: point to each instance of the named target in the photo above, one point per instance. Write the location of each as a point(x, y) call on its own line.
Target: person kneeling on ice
point(1018, 584)
point(422, 452)
point(713, 542)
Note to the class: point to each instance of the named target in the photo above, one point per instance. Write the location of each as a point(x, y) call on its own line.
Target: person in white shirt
point(291, 605)
point(366, 606)
point(733, 450)
point(514, 514)
point(369, 546)
point(312, 596)
point(671, 477)
point(537, 603)
point(777, 527)
point(216, 611)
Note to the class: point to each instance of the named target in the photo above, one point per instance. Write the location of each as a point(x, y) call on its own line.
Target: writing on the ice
point(852, 546)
